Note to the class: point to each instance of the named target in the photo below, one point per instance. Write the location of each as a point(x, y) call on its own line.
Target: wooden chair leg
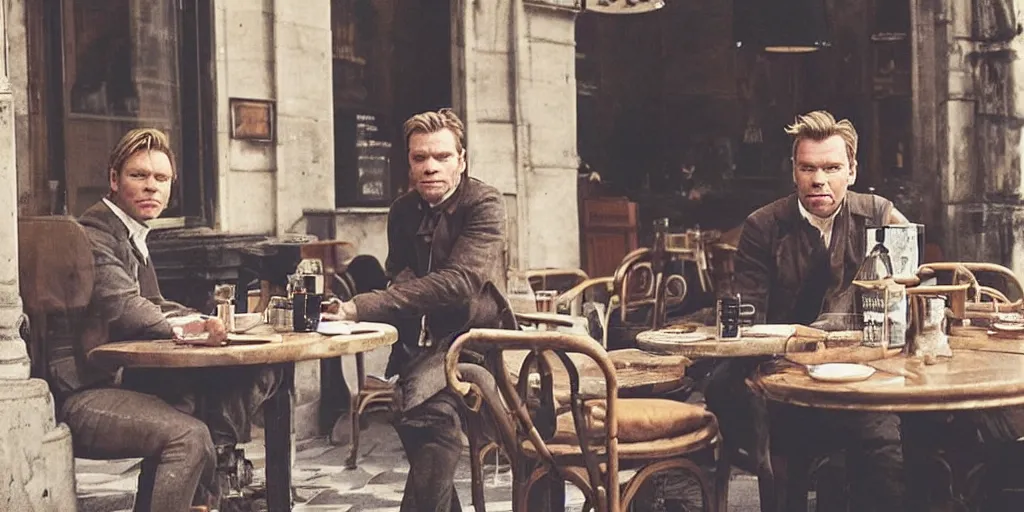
point(793, 478)
point(762, 458)
point(476, 454)
point(708, 496)
point(766, 490)
point(723, 471)
point(355, 411)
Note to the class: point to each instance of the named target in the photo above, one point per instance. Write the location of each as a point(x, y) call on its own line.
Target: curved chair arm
point(545, 273)
point(974, 267)
point(543, 319)
point(504, 339)
point(996, 295)
point(1000, 301)
point(573, 296)
point(638, 255)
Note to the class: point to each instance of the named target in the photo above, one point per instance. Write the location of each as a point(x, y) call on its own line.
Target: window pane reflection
point(120, 72)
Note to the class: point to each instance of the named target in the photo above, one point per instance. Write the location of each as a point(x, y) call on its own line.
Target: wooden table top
point(634, 369)
point(295, 346)
point(761, 340)
point(971, 379)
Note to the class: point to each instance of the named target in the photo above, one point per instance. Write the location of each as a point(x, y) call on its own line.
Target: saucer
point(840, 372)
point(341, 328)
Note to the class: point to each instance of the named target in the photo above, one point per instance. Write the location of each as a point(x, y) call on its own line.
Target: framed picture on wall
point(252, 119)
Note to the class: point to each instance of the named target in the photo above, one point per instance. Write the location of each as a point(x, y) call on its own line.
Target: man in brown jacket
point(795, 262)
point(183, 423)
point(446, 241)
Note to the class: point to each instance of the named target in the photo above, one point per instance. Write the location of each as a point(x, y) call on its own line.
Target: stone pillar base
point(36, 464)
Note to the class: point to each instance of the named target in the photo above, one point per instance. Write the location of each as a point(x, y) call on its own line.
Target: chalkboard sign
point(363, 159)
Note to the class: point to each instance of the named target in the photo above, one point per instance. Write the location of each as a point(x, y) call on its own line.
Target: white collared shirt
point(823, 224)
point(137, 231)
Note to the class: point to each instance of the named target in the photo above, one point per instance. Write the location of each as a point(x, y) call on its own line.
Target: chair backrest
point(994, 288)
point(537, 424)
point(557, 279)
point(335, 254)
point(55, 265)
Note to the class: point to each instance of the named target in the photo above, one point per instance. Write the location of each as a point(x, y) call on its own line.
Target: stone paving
point(323, 484)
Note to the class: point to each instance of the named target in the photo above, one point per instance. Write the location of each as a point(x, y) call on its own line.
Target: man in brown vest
point(795, 262)
point(183, 423)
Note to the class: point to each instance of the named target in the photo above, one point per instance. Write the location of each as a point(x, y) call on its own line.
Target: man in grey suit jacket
point(183, 423)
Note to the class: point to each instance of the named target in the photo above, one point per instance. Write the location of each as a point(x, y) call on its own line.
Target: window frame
point(196, 187)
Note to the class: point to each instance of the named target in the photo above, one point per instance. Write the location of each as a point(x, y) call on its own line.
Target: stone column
point(14, 362)
point(514, 84)
point(545, 53)
point(36, 465)
point(981, 125)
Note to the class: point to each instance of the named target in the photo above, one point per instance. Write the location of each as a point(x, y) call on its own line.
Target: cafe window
point(391, 59)
point(130, 64)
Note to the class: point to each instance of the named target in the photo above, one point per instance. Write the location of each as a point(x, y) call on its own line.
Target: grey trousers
point(430, 435)
point(173, 420)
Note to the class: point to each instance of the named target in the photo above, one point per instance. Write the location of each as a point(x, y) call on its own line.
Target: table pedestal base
point(278, 422)
point(948, 468)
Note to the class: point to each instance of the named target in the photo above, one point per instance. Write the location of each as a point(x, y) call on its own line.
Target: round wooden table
point(703, 343)
point(755, 341)
point(292, 347)
point(969, 381)
point(638, 373)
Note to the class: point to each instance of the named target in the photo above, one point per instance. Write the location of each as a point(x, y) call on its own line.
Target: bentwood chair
point(993, 289)
point(585, 441)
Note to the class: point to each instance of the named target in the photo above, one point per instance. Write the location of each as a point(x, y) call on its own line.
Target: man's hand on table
point(338, 310)
point(191, 330)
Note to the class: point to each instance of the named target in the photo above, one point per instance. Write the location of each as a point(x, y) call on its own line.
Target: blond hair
point(820, 125)
point(430, 122)
point(140, 139)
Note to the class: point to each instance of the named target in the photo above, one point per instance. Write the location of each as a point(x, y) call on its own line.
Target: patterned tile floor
point(323, 484)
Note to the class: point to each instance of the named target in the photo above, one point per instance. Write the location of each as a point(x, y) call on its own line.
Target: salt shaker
point(224, 294)
point(226, 313)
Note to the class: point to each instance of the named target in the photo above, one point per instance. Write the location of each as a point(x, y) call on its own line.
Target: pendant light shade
point(781, 26)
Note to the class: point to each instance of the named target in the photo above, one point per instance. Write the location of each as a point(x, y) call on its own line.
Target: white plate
point(342, 328)
point(840, 372)
point(334, 328)
point(1008, 327)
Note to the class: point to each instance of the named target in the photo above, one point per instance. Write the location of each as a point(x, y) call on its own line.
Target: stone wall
point(277, 50)
point(365, 227)
point(515, 84)
point(980, 118)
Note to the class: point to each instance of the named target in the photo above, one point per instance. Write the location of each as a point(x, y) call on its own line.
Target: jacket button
point(428, 239)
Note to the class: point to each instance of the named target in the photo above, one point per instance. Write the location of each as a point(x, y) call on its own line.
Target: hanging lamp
point(781, 26)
